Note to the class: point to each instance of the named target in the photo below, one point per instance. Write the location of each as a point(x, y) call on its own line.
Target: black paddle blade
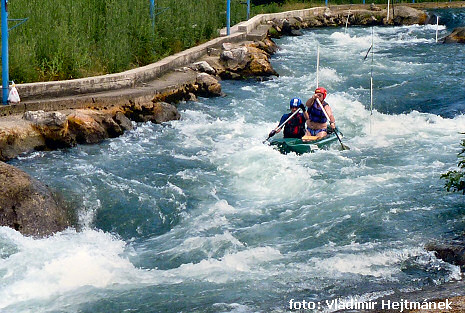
point(271, 134)
point(343, 146)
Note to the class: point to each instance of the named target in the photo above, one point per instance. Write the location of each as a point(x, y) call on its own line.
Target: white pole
point(371, 81)
point(347, 22)
point(437, 27)
point(387, 18)
point(371, 103)
point(371, 95)
point(317, 64)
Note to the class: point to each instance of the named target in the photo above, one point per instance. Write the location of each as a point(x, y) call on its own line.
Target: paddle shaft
point(335, 131)
point(273, 132)
point(288, 119)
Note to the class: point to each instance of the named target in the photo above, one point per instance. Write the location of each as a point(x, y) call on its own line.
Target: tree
point(455, 180)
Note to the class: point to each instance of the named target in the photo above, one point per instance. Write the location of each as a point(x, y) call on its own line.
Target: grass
point(66, 39)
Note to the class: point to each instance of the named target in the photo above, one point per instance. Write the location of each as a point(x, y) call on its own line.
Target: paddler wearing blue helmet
point(295, 127)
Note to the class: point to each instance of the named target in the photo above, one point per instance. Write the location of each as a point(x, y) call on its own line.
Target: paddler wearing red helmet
point(316, 119)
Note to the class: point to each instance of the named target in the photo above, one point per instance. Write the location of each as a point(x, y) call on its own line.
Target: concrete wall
point(131, 78)
point(127, 79)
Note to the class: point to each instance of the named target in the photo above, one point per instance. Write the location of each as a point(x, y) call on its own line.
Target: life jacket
point(316, 114)
point(295, 127)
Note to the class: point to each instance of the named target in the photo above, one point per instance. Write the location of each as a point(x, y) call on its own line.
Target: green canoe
point(286, 145)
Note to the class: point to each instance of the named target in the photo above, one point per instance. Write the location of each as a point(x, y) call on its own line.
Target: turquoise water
point(198, 215)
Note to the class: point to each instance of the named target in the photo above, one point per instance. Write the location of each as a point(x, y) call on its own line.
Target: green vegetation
point(65, 39)
point(455, 180)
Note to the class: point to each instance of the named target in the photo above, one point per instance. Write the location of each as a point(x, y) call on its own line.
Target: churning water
point(198, 215)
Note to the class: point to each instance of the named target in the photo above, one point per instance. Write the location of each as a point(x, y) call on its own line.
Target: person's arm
point(283, 119)
point(310, 101)
point(332, 120)
point(304, 111)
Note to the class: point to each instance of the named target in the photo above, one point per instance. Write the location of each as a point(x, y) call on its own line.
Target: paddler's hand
point(302, 107)
point(332, 125)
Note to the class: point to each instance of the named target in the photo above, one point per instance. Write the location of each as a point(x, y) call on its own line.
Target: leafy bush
point(455, 180)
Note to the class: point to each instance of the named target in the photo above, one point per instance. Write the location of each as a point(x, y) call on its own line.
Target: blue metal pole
point(326, 2)
point(248, 9)
point(228, 17)
point(363, 1)
point(152, 11)
point(5, 77)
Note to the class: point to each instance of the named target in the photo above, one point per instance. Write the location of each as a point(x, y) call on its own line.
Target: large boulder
point(53, 126)
point(85, 127)
point(292, 26)
point(208, 85)
point(268, 45)
point(259, 64)
point(91, 126)
point(18, 136)
point(249, 60)
point(366, 17)
point(457, 36)
point(403, 15)
point(156, 112)
point(235, 59)
point(28, 206)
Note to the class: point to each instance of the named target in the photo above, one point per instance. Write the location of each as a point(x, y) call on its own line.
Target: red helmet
point(321, 90)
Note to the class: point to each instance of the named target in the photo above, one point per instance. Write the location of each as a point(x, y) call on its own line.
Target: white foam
point(228, 267)
point(62, 263)
point(247, 88)
point(378, 264)
point(351, 42)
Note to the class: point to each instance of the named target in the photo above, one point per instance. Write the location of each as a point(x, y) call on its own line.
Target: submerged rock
point(457, 36)
point(28, 205)
point(453, 252)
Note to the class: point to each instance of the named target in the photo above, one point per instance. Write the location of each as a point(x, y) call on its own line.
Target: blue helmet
point(295, 103)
